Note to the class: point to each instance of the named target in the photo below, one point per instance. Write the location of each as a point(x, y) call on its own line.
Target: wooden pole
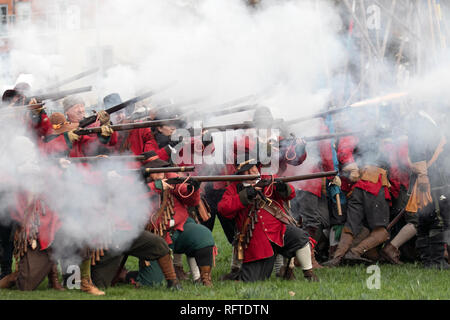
point(338, 204)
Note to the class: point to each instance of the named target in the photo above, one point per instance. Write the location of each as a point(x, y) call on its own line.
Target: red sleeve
point(230, 204)
point(114, 139)
point(153, 188)
point(345, 149)
point(55, 146)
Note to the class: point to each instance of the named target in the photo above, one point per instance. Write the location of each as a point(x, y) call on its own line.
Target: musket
point(57, 95)
point(229, 178)
point(234, 126)
point(330, 136)
point(119, 270)
point(73, 78)
point(362, 103)
point(148, 171)
point(26, 108)
point(129, 126)
point(174, 106)
point(396, 219)
point(233, 110)
point(105, 157)
point(91, 119)
point(265, 182)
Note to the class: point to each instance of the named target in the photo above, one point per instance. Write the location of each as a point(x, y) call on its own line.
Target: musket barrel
point(29, 107)
point(91, 119)
point(226, 178)
point(73, 78)
point(129, 126)
point(61, 94)
point(317, 115)
point(170, 169)
point(112, 158)
point(329, 136)
point(308, 176)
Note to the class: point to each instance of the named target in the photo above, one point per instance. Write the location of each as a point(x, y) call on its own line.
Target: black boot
point(423, 249)
point(437, 251)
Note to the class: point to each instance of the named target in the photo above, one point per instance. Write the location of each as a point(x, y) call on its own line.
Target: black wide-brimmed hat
point(9, 95)
point(246, 164)
point(153, 161)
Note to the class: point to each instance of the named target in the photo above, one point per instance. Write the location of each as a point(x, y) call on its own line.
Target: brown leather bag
point(204, 211)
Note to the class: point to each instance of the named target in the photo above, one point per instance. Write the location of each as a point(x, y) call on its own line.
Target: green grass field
point(344, 283)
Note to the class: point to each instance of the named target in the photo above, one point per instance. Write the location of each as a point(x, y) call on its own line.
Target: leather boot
point(53, 281)
point(391, 254)
point(448, 253)
point(331, 251)
point(205, 275)
point(344, 244)
point(233, 275)
point(286, 273)
point(372, 254)
point(6, 269)
point(314, 262)
point(423, 248)
point(313, 233)
point(181, 275)
point(166, 265)
point(9, 281)
point(376, 237)
point(88, 286)
point(437, 249)
point(310, 275)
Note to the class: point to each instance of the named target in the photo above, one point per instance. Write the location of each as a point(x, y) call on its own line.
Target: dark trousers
point(366, 209)
point(6, 249)
point(431, 232)
point(294, 239)
point(146, 246)
point(34, 266)
point(213, 197)
point(312, 210)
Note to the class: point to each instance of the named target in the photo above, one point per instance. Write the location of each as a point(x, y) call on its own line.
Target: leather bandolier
point(159, 221)
point(27, 232)
point(243, 237)
point(200, 213)
point(96, 253)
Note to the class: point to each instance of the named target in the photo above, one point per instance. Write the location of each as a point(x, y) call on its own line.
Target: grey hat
point(70, 101)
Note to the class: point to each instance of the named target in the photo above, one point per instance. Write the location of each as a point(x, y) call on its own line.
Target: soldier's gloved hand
point(194, 184)
point(247, 195)
point(64, 163)
point(174, 142)
point(207, 138)
point(103, 117)
point(106, 131)
point(73, 136)
point(336, 181)
point(281, 187)
point(35, 111)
